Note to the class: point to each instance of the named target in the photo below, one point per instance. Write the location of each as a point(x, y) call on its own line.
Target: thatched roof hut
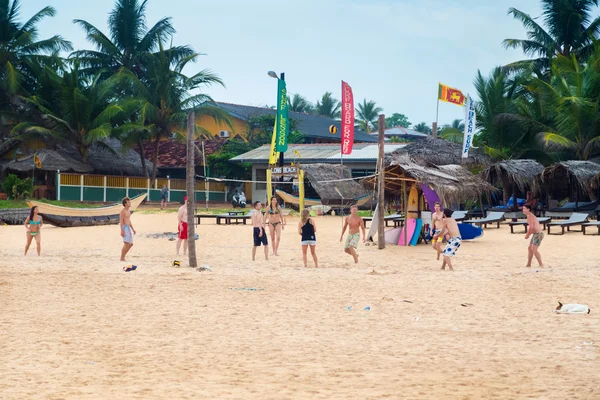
point(568, 179)
point(453, 183)
point(51, 160)
point(512, 173)
point(349, 190)
point(430, 151)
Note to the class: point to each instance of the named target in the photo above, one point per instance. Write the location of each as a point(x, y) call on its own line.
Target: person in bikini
point(33, 225)
point(449, 226)
point(437, 220)
point(182, 228)
point(127, 230)
point(258, 228)
point(536, 231)
point(274, 219)
point(355, 224)
point(307, 229)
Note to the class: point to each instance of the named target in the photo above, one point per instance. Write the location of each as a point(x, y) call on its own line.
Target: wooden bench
point(229, 219)
point(590, 225)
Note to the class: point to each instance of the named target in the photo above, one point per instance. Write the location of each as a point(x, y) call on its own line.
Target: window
point(261, 176)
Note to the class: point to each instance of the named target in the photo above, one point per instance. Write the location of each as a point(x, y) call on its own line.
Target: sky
point(393, 52)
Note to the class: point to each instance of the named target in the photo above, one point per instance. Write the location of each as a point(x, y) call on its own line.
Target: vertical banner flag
point(269, 186)
point(282, 117)
point(274, 154)
point(450, 95)
point(300, 189)
point(347, 119)
point(470, 120)
point(37, 161)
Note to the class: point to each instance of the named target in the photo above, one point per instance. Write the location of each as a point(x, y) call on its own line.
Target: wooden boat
point(67, 217)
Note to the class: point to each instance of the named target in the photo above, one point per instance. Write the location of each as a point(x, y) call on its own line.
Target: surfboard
point(431, 196)
point(393, 236)
point(413, 203)
point(411, 223)
point(374, 226)
point(470, 232)
point(417, 233)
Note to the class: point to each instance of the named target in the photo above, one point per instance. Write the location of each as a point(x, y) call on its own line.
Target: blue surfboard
point(470, 232)
point(417, 234)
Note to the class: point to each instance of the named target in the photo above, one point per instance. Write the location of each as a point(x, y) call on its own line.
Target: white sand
point(73, 326)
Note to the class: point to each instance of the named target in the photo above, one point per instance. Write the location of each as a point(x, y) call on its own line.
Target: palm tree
point(130, 42)
point(22, 55)
point(423, 128)
point(453, 132)
point(328, 106)
point(569, 31)
point(298, 103)
point(367, 113)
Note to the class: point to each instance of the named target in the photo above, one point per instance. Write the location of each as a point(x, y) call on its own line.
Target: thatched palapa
point(350, 190)
point(51, 160)
point(430, 151)
point(511, 173)
point(568, 178)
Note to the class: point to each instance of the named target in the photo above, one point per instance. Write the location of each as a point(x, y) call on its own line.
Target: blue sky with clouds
point(391, 51)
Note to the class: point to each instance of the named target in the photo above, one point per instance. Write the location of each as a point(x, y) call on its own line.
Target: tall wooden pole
point(191, 188)
point(381, 185)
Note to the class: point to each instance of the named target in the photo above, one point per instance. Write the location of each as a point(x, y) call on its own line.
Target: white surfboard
point(372, 234)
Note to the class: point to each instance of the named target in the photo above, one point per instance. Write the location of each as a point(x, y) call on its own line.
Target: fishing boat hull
point(68, 222)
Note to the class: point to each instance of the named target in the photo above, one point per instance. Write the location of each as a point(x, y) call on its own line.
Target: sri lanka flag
point(451, 95)
point(37, 161)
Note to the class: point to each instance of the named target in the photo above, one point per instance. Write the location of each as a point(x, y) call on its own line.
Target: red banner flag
point(347, 119)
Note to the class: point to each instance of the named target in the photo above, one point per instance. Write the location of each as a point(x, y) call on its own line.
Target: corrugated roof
point(314, 126)
point(317, 152)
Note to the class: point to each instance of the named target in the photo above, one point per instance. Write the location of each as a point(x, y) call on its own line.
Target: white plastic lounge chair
point(494, 217)
point(590, 225)
point(577, 219)
point(544, 221)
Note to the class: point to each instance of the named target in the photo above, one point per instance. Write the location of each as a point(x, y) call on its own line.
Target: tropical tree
point(22, 55)
point(298, 103)
point(568, 31)
point(367, 113)
point(453, 132)
point(397, 119)
point(422, 127)
point(328, 106)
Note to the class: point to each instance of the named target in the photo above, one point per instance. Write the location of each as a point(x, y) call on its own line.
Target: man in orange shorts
point(182, 227)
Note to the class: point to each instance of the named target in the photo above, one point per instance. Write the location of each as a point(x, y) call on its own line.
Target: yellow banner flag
point(274, 154)
point(269, 186)
point(301, 190)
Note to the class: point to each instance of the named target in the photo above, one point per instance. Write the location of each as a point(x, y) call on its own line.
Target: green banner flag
point(282, 117)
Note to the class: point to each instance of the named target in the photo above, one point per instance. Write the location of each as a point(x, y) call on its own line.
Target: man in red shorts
point(182, 227)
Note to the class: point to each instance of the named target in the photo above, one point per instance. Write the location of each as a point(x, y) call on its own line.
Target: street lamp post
point(273, 74)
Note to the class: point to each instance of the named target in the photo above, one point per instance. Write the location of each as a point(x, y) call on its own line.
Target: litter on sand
point(245, 288)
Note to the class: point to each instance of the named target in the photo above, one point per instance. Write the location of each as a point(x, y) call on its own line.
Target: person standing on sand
point(182, 227)
point(437, 220)
point(127, 230)
point(164, 195)
point(274, 218)
point(450, 227)
point(354, 224)
point(536, 231)
point(33, 225)
point(259, 234)
point(307, 229)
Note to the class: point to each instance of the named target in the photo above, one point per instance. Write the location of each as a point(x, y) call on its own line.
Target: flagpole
point(437, 113)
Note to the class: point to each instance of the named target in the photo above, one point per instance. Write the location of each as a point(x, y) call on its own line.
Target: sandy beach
point(74, 326)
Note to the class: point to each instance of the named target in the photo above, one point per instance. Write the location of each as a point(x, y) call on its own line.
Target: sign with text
point(281, 144)
point(286, 170)
point(347, 119)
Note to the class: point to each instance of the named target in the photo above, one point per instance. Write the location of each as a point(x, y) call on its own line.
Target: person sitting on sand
point(274, 218)
point(182, 227)
point(127, 230)
point(450, 227)
point(355, 224)
point(307, 229)
point(33, 225)
point(259, 234)
point(536, 231)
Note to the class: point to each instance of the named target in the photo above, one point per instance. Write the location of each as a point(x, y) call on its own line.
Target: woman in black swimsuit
point(274, 218)
point(307, 229)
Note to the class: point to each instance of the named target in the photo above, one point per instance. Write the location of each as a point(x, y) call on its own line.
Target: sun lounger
point(577, 219)
point(494, 217)
point(459, 215)
point(590, 225)
point(569, 209)
point(544, 221)
point(396, 219)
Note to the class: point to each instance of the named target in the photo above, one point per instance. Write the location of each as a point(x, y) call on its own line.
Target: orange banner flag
point(451, 95)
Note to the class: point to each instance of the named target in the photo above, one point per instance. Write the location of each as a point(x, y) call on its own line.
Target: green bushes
point(17, 188)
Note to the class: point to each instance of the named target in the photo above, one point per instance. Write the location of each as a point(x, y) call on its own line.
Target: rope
point(278, 182)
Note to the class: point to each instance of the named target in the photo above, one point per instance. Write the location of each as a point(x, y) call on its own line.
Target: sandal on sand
point(129, 268)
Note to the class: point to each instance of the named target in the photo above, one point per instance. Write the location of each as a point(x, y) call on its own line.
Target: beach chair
point(396, 219)
point(577, 219)
point(459, 215)
point(590, 225)
point(544, 221)
point(494, 217)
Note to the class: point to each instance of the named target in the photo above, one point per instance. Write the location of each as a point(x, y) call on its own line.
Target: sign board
point(289, 170)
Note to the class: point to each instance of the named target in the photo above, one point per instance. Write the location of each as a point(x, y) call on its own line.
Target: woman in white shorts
point(307, 228)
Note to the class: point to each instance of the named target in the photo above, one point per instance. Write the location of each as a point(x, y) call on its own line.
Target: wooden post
point(405, 206)
point(104, 196)
point(81, 191)
point(381, 185)
point(191, 190)
point(58, 185)
point(127, 187)
point(434, 130)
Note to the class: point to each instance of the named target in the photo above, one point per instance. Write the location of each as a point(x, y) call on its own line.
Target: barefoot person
point(164, 195)
point(33, 225)
point(259, 234)
point(182, 227)
point(536, 231)
point(127, 230)
point(274, 218)
point(449, 226)
point(354, 224)
point(437, 220)
point(307, 229)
